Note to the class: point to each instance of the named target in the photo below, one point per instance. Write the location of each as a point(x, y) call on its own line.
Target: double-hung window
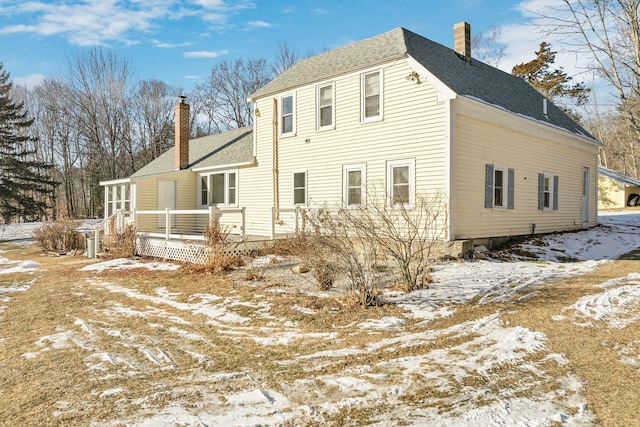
point(219, 189)
point(354, 182)
point(287, 115)
point(325, 108)
point(371, 96)
point(300, 188)
point(400, 183)
point(499, 187)
point(547, 192)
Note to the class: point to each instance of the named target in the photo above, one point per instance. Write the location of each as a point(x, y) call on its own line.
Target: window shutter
point(511, 189)
point(541, 191)
point(488, 186)
point(555, 192)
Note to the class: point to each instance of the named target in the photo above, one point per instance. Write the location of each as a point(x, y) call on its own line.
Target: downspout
point(276, 180)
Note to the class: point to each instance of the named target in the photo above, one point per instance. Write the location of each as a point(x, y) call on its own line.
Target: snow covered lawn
point(130, 342)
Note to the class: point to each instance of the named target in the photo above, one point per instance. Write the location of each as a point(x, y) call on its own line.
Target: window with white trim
point(354, 186)
point(547, 192)
point(219, 189)
point(300, 188)
point(499, 187)
point(371, 96)
point(400, 183)
point(287, 115)
point(325, 108)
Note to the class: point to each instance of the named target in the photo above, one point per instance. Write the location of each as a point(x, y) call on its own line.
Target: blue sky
point(179, 41)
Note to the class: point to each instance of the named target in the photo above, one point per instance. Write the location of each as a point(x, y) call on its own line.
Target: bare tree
point(286, 56)
point(152, 127)
point(486, 47)
point(607, 32)
point(100, 85)
point(227, 88)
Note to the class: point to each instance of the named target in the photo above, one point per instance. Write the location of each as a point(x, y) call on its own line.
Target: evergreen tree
point(553, 84)
point(24, 186)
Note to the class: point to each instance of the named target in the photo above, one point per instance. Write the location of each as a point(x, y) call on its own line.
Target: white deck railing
point(174, 224)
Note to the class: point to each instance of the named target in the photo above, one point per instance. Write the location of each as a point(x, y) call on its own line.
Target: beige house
point(617, 190)
point(396, 114)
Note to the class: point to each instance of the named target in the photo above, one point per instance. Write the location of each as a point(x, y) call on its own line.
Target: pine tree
point(553, 84)
point(24, 185)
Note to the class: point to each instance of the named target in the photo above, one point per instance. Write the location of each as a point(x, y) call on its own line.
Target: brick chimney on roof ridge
point(462, 40)
point(182, 134)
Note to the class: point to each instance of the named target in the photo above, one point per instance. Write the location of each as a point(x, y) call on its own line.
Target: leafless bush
point(120, 242)
point(60, 236)
point(363, 241)
point(219, 258)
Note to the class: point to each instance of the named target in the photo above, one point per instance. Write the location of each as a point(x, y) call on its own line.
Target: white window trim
point(548, 176)
point(333, 106)
point(505, 185)
point(379, 117)
point(412, 182)
point(293, 114)
point(306, 187)
point(226, 203)
point(362, 167)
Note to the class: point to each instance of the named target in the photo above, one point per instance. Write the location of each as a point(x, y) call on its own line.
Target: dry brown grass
point(31, 390)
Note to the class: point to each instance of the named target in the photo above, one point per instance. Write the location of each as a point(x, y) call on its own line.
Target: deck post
point(242, 223)
point(167, 224)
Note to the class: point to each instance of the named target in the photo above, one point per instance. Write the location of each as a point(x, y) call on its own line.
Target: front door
point(586, 195)
point(166, 199)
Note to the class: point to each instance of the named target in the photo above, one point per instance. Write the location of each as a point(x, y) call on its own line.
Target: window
point(354, 193)
point(400, 183)
point(287, 115)
point(371, 96)
point(300, 188)
point(499, 187)
point(325, 106)
point(547, 192)
point(204, 190)
point(218, 189)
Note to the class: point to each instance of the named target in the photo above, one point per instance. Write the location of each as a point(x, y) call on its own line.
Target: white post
point(242, 224)
point(167, 224)
point(273, 223)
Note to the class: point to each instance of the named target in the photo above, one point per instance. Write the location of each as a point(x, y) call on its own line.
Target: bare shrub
point(363, 241)
point(219, 258)
point(120, 242)
point(60, 236)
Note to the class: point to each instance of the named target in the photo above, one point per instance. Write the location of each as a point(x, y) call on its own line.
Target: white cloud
point(166, 45)
point(259, 24)
point(29, 81)
point(205, 53)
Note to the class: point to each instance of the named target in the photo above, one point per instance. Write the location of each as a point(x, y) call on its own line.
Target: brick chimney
point(182, 134)
point(462, 40)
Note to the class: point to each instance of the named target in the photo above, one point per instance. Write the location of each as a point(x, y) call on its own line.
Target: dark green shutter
point(511, 189)
point(555, 192)
point(488, 186)
point(541, 191)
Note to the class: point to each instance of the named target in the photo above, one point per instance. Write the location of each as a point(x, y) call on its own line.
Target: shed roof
point(618, 176)
point(476, 80)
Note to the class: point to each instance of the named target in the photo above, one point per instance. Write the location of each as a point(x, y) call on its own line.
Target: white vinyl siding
point(483, 135)
point(414, 127)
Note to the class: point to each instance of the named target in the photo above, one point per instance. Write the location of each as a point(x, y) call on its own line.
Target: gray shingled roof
point(231, 147)
point(476, 80)
point(618, 176)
